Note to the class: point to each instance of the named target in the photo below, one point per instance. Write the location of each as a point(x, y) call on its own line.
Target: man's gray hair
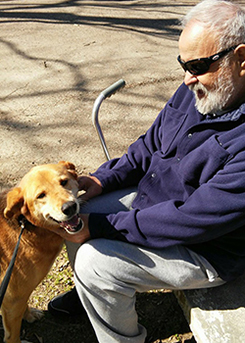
point(223, 19)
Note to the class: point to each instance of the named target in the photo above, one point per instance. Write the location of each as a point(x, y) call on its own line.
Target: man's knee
point(100, 263)
point(91, 263)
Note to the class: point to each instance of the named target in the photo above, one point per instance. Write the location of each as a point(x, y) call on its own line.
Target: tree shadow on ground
point(62, 13)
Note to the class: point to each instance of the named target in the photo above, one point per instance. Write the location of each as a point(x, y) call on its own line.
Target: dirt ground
point(56, 58)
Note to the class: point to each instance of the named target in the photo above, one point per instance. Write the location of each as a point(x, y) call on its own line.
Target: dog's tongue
point(72, 225)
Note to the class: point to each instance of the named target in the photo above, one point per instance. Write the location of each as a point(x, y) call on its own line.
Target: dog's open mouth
point(72, 225)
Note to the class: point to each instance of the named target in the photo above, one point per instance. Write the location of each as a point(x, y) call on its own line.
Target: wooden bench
point(216, 315)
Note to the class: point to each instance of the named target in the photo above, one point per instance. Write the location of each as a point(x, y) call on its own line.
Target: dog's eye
point(41, 195)
point(63, 182)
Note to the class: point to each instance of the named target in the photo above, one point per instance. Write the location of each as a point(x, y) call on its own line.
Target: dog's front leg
point(12, 314)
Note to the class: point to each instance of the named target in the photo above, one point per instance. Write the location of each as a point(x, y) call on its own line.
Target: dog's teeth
point(73, 225)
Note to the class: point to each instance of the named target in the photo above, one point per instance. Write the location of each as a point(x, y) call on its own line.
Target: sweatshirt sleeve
point(212, 210)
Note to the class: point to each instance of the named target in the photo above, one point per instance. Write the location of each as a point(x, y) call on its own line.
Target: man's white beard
point(215, 100)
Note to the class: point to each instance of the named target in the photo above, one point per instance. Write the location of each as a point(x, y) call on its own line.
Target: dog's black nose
point(69, 208)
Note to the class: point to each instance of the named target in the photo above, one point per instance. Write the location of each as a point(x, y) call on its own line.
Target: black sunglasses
point(200, 66)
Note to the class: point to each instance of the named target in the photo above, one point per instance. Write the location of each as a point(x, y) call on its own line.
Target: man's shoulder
point(181, 103)
point(182, 98)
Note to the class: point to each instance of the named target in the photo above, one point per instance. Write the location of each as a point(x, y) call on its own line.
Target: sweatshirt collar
point(228, 115)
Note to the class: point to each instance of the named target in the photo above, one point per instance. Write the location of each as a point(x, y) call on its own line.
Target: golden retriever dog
point(46, 198)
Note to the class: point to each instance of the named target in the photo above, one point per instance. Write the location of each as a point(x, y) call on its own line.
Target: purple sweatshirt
point(190, 174)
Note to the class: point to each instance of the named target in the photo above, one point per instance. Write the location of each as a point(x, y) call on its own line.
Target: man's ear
point(240, 55)
point(15, 202)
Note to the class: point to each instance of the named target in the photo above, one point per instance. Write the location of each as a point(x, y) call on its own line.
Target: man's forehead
point(196, 42)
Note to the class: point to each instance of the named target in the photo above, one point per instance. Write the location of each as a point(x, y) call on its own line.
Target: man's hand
point(91, 185)
point(81, 236)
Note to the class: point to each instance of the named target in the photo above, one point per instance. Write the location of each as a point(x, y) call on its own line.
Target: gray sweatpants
point(109, 273)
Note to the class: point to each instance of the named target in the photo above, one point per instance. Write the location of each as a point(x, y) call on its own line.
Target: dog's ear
point(70, 167)
point(15, 202)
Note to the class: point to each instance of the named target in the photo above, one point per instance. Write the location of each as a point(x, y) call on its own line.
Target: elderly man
point(172, 210)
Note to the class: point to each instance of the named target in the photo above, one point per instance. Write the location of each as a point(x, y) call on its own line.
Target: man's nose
point(190, 79)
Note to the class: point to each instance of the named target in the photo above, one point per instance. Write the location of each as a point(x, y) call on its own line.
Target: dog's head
point(47, 197)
